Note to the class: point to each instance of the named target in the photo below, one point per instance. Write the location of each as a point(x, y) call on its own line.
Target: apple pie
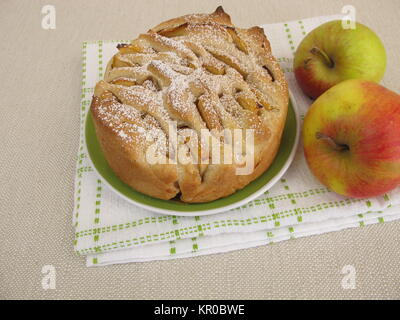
point(193, 109)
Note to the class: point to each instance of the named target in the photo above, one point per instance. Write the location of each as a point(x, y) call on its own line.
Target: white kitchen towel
point(110, 230)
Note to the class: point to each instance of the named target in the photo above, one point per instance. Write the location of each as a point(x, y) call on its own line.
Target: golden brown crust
point(218, 16)
point(205, 74)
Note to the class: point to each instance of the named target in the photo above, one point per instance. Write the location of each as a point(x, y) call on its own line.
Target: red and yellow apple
point(351, 137)
point(331, 54)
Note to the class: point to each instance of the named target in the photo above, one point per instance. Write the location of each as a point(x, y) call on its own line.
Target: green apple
point(330, 54)
point(351, 138)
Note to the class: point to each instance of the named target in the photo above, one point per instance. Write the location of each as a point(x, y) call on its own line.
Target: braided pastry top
point(206, 75)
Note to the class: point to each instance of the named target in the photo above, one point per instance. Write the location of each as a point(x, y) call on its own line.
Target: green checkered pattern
point(108, 229)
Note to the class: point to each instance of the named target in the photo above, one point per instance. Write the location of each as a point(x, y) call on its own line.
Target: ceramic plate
point(281, 163)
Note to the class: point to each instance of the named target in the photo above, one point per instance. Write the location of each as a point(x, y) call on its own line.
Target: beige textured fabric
point(39, 99)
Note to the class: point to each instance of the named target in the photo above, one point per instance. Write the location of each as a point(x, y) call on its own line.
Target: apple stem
point(318, 52)
point(336, 146)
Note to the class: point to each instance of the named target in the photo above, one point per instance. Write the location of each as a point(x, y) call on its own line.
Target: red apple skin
point(309, 84)
point(330, 54)
point(365, 116)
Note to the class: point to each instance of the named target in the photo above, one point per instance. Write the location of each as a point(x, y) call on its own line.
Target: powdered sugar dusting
point(169, 77)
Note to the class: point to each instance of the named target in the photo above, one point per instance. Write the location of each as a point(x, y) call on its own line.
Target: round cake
point(192, 110)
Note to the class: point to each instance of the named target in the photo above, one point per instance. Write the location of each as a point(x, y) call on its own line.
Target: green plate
point(281, 163)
